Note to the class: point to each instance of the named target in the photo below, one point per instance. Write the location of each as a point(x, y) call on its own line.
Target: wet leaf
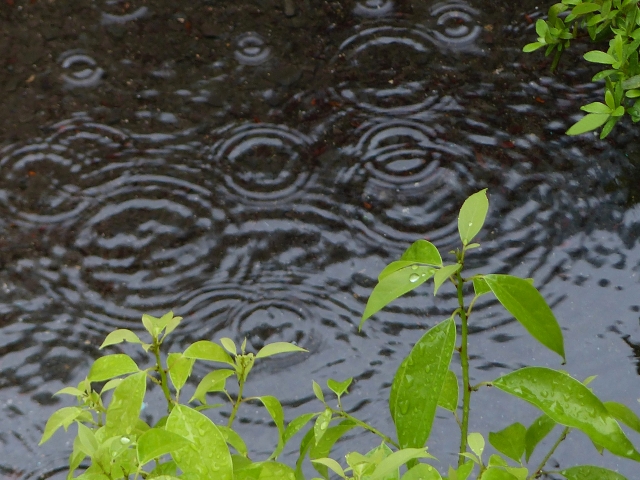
point(443, 274)
point(111, 366)
point(207, 456)
point(570, 403)
point(497, 474)
point(624, 414)
point(322, 449)
point(206, 350)
point(395, 285)
point(233, 439)
point(589, 472)
point(394, 461)
point(418, 383)
point(119, 336)
point(157, 442)
point(322, 424)
point(331, 464)
point(214, 381)
point(295, 425)
point(268, 470)
point(179, 369)
point(229, 346)
point(273, 406)
point(449, 395)
point(278, 347)
point(126, 403)
point(422, 251)
point(476, 443)
point(510, 441)
point(422, 471)
point(339, 387)
point(524, 302)
point(537, 431)
point(472, 216)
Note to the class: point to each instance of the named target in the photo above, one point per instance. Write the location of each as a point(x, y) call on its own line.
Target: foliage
point(186, 444)
point(616, 21)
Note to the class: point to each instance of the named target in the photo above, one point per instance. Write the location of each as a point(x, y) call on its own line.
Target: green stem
point(163, 376)
point(360, 423)
point(236, 405)
point(464, 361)
point(538, 470)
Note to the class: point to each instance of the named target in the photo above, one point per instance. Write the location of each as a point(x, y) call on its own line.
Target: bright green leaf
point(70, 391)
point(497, 474)
point(394, 461)
point(631, 83)
point(597, 56)
point(125, 406)
point(587, 123)
point(179, 369)
point(532, 47)
point(87, 440)
point(295, 425)
point(524, 302)
point(624, 414)
point(476, 443)
point(111, 366)
point(589, 472)
point(322, 424)
point(472, 216)
point(157, 442)
point(119, 336)
point(332, 464)
point(537, 431)
point(277, 348)
point(206, 350)
point(449, 395)
point(422, 251)
point(268, 470)
point(317, 390)
point(418, 383)
point(322, 448)
point(570, 403)
point(339, 387)
point(229, 346)
point(480, 287)
point(422, 471)
point(273, 406)
point(214, 381)
point(233, 439)
point(584, 8)
point(443, 274)
point(510, 441)
point(596, 107)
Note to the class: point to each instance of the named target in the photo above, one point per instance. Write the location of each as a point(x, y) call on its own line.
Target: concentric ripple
point(456, 24)
point(120, 12)
point(262, 162)
point(141, 246)
point(80, 70)
point(374, 8)
point(251, 49)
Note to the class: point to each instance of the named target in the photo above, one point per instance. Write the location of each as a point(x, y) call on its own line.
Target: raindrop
point(414, 267)
point(251, 49)
point(373, 8)
point(83, 70)
point(414, 277)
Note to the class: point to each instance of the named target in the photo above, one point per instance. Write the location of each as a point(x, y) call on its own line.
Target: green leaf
point(322, 424)
point(87, 440)
point(317, 390)
point(422, 471)
point(418, 384)
point(332, 434)
point(179, 369)
point(171, 325)
point(125, 406)
point(597, 56)
point(111, 366)
point(510, 441)
point(596, 107)
point(332, 464)
point(532, 47)
point(476, 443)
point(443, 274)
point(295, 425)
point(462, 473)
point(339, 387)
point(542, 28)
point(480, 287)
point(119, 336)
point(206, 350)
point(589, 472)
point(395, 285)
point(449, 395)
point(70, 391)
point(524, 302)
point(538, 430)
point(394, 461)
point(277, 348)
point(587, 123)
point(157, 442)
point(422, 251)
point(233, 439)
point(265, 471)
point(584, 8)
point(631, 83)
point(570, 403)
point(207, 456)
point(472, 216)
point(497, 474)
point(273, 406)
point(624, 414)
point(214, 381)
point(229, 346)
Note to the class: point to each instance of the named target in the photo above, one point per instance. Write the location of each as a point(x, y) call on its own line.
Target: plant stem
point(234, 410)
point(538, 470)
point(464, 361)
point(362, 424)
point(163, 376)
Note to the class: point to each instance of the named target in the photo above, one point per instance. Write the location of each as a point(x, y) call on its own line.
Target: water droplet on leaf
point(414, 277)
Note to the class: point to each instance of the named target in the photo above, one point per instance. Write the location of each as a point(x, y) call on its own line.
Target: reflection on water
point(254, 167)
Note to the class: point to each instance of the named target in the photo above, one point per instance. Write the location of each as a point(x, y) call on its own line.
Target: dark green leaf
point(524, 302)
point(449, 395)
point(418, 384)
point(570, 403)
point(510, 441)
point(589, 472)
point(538, 430)
point(111, 366)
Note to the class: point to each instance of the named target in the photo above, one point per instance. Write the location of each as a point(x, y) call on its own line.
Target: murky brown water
point(254, 164)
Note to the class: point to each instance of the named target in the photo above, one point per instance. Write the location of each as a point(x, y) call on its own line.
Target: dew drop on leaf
point(414, 277)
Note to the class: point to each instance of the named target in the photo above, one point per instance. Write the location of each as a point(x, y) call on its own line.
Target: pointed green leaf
point(70, 391)
point(339, 387)
point(589, 472)
point(268, 470)
point(597, 56)
point(418, 383)
point(532, 47)
point(111, 366)
point(588, 123)
point(323, 447)
point(497, 474)
point(206, 350)
point(277, 348)
point(332, 464)
point(395, 285)
point(631, 83)
point(449, 395)
point(443, 274)
point(480, 287)
point(172, 325)
point(538, 430)
point(207, 456)
point(570, 403)
point(233, 439)
point(214, 381)
point(462, 473)
point(125, 406)
point(472, 216)
point(229, 346)
point(322, 424)
point(596, 107)
point(273, 406)
point(317, 390)
point(119, 336)
point(179, 369)
point(510, 441)
point(422, 251)
point(157, 442)
point(524, 302)
point(295, 425)
point(422, 471)
point(394, 461)
point(583, 8)
point(476, 443)
point(624, 414)
point(87, 440)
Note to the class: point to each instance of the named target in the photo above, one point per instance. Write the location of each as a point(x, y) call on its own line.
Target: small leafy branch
point(617, 21)
point(186, 444)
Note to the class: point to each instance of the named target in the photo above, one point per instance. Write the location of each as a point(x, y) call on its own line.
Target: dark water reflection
point(253, 166)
